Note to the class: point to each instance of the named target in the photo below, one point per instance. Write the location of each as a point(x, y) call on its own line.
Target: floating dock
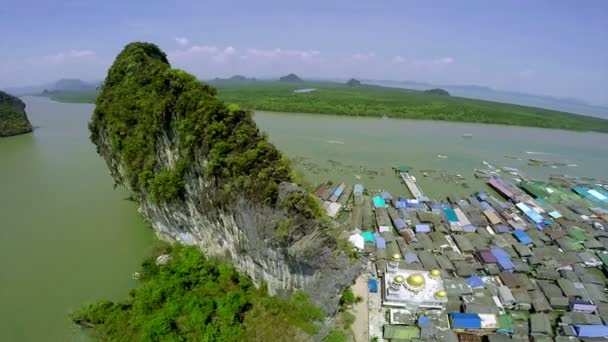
point(411, 185)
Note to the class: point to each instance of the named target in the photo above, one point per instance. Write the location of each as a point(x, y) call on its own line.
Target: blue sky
point(555, 48)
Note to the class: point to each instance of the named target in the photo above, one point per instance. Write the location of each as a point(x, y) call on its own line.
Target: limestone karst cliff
point(204, 175)
point(13, 120)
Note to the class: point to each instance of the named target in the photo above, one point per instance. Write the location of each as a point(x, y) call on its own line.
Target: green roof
point(577, 234)
point(505, 322)
point(401, 332)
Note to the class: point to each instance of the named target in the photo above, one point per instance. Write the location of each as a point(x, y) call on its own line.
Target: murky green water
point(363, 150)
point(66, 236)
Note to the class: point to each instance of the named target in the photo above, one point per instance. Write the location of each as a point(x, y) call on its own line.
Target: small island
point(437, 91)
point(13, 120)
point(353, 82)
point(290, 78)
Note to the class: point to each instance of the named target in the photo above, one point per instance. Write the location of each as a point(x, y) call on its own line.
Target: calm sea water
point(351, 149)
point(66, 236)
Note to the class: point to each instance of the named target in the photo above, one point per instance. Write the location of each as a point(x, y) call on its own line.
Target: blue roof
point(385, 195)
point(422, 320)
point(450, 214)
point(475, 282)
point(469, 228)
point(358, 188)
point(380, 242)
point(591, 330)
point(487, 206)
point(379, 202)
point(482, 196)
point(502, 259)
point(423, 228)
point(522, 237)
point(465, 320)
point(372, 285)
point(400, 204)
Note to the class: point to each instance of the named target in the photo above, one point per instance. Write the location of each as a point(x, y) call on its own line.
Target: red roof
point(487, 257)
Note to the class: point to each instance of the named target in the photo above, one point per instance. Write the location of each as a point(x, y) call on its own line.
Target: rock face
point(203, 175)
point(437, 91)
point(290, 78)
point(13, 120)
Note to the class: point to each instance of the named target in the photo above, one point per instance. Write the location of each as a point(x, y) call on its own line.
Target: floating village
point(525, 260)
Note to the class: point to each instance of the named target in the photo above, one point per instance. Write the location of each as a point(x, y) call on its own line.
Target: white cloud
point(398, 60)
point(362, 57)
point(212, 53)
point(434, 64)
point(281, 54)
point(183, 41)
point(61, 57)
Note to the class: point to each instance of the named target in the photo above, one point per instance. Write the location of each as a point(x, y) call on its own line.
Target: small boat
point(468, 135)
point(441, 156)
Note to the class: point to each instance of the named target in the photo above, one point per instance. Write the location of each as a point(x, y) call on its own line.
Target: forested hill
point(13, 120)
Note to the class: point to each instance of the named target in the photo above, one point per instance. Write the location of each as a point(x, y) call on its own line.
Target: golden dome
point(441, 294)
point(435, 273)
point(416, 280)
point(398, 279)
point(396, 256)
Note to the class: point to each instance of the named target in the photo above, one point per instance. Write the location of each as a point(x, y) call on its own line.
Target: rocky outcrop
point(270, 238)
point(291, 78)
point(13, 119)
point(353, 82)
point(437, 91)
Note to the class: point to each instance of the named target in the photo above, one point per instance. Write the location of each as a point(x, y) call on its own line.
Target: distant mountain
point(69, 84)
point(353, 82)
point(437, 91)
point(235, 78)
point(290, 78)
point(66, 84)
point(486, 93)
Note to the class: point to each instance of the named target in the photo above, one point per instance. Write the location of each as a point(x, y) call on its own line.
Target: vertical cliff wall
point(204, 175)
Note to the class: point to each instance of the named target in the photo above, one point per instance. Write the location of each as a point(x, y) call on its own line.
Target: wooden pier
point(411, 185)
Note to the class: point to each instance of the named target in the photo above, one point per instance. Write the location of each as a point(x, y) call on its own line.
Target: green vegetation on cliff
point(370, 100)
point(13, 120)
point(143, 99)
point(193, 298)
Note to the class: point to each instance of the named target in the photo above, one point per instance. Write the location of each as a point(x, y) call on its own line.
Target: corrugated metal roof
point(503, 259)
point(522, 237)
point(465, 320)
point(590, 330)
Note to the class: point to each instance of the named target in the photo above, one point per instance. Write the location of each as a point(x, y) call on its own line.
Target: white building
point(412, 289)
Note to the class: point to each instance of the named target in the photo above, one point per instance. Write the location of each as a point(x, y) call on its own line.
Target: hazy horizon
point(543, 47)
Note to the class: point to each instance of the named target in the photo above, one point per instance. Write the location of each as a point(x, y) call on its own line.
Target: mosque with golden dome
point(412, 289)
